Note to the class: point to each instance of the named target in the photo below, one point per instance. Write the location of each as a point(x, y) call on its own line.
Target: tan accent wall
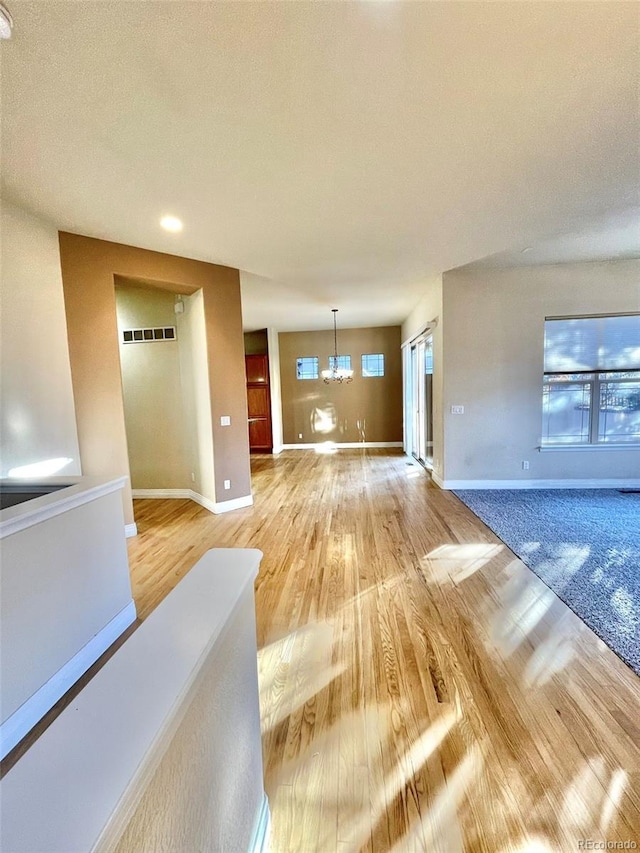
point(366, 409)
point(88, 270)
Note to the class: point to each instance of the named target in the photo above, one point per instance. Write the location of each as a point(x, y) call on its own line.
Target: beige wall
point(88, 269)
point(36, 399)
point(366, 409)
point(196, 394)
point(493, 365)
point(154, 407)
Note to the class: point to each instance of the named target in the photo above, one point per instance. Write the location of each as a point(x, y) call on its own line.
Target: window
point(373, 365)
point(340, 362)
point(591, 392)
point(307, 367)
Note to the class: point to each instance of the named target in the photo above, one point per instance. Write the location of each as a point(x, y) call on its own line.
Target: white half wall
point(493, 360)
point(161, 750)
point(66, 595)
point(36, 399)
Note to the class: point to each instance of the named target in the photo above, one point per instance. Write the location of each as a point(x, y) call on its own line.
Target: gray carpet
point(584, 544)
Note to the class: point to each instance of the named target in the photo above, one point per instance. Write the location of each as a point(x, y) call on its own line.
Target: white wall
point(36, 400)
point(428, 312)
point(493, 360)
point(428, 309)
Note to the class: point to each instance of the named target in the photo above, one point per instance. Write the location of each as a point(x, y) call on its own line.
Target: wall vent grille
point(149, 336)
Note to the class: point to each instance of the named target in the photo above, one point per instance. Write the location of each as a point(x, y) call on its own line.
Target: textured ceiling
point(339, 153)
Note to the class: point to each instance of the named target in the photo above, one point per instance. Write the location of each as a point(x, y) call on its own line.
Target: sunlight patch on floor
point(294, 669)
point(325, 447)
point(551, 656)
point(613, 799)
point(405, 772)
point(533, 845)
point(440, 826)
point(532, 614)
point(456, 563)
point(520, 616)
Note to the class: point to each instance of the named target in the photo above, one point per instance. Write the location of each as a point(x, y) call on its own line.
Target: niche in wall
point(165, 388)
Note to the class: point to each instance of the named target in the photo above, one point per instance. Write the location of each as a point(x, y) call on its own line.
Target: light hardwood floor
point(421, 689)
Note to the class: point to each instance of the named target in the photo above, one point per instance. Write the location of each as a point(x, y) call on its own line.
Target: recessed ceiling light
point(171, 223)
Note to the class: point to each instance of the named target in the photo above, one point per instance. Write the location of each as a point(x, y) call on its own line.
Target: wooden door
point(259, 403)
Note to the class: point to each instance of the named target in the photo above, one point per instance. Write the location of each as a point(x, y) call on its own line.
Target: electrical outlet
point(227, 484)
point(525, 464)
point(299, 435)
point(457, 410)
point(225, 420)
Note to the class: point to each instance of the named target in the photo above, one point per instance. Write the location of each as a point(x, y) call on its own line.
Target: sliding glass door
point(421, 396)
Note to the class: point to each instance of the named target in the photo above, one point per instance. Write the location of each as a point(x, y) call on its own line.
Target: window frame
point(595, 380)
point(340, 364)
point(307, 358)
point(603, 351)
point(367, 375)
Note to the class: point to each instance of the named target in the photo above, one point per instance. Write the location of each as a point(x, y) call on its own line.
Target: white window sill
point(573, 448)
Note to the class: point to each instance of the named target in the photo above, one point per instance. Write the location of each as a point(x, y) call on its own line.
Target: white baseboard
point(236, 503)
point(216, 507)
point(201, 500)
point(438, 480)
point(341, 445)
point(131, 530)
point(260, 839)
point(537, 484)
point(15, 727)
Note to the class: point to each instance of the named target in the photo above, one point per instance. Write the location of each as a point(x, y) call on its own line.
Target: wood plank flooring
point(421, 689)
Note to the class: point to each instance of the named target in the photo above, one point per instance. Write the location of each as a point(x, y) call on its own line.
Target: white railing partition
point(161, 750)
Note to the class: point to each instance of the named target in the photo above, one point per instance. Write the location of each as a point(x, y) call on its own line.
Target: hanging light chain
point(336, 374)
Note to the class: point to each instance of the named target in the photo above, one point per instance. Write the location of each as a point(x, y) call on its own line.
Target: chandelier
point(335, 373)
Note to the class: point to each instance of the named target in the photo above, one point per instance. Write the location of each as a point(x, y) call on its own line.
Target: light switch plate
point(225, 420)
